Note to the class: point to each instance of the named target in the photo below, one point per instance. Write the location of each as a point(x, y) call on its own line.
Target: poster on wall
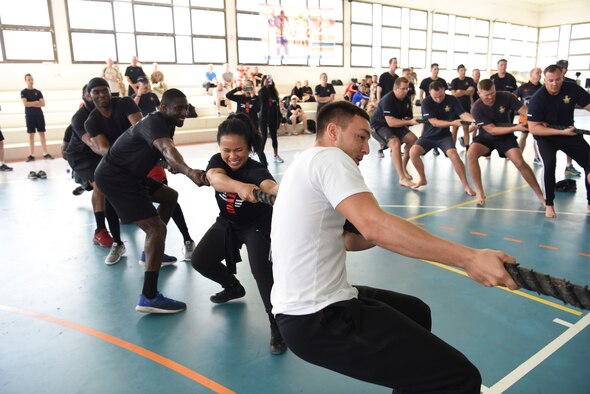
point(298, 35)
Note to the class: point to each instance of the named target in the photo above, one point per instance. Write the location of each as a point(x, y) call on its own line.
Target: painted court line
point(548, 247)
point(563, 322)
point(517, 292)
point(166, 362)
point(523, 369)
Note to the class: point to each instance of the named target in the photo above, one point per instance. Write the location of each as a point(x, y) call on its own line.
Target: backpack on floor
point(566, 186)
point(311, 125)
point(191, 111)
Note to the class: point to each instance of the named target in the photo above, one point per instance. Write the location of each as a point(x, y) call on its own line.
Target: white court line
point(524, 368)
point(522, 210)
point(563, 322)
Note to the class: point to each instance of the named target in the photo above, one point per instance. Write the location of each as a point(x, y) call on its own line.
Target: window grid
point(128, 40)
point(39, 30)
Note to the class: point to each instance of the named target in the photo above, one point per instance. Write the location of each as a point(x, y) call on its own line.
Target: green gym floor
point(68, 323)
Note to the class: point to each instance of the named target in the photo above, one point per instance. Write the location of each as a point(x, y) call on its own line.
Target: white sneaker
point(188, 248)
point(117, 251)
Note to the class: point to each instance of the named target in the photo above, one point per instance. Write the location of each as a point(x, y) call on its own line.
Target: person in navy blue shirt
point(554, 104)
point(462, 88)
point(524, 93)
point(442, 111)
point(492, 114)
point(390, 123)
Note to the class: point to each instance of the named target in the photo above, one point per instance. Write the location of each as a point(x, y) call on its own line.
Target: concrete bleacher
point(60, 105)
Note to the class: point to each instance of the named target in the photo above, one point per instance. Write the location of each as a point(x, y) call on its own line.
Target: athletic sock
point(178, 218)
point(150, 284)
point(113, 220)
point(99, 218)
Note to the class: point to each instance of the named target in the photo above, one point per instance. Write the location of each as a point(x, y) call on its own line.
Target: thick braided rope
point(264, 197)
point(563, 290)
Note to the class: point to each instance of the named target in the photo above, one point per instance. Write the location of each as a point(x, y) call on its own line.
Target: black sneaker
point(47, 156)
point(77, 191)
point(231, 293)
point(462, 142)
point(5, 168)
point(435, 152)
point(32, 175)
point(277, 344)
point(30, 158)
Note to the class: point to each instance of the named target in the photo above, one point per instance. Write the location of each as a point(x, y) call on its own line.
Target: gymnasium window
point(361, 34)
point(26, 32)
point(579, 49)
point(185, 31)
point(548, 45)
point(314, 34)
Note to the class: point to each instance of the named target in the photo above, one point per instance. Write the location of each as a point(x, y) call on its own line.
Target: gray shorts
point(444, 144)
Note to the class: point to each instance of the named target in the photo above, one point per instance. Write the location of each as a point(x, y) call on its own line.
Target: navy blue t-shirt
point(231, 206)
point(114, 126)
point(386, 81)
point(389, 105)
point(31, 95)
point(427, 81)
point(498, 113)
point(148, 102)
point(559, 109)
point(134, 150)
point(463, 84)
point(506, 84)
point(449, 109)
point(527, 90)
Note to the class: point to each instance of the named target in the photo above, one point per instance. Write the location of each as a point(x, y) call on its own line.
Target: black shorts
point(444, 144)
point(84, 165)
point(502, 143)
point(129, 195)
point(297, 122)
point(1, 136)
point(35, 122)
point(384, 134)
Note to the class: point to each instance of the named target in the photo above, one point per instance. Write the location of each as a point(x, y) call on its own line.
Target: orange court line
point(448, 228)
point(512, 240)
point(584, 254)
point(548, 247)
point(417, 223)
point(478, 233)
point(166, 362)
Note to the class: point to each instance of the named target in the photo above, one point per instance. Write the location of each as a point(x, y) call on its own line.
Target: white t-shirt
point(309, 258)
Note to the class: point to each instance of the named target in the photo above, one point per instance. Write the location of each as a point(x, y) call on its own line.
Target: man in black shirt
point(554, 104)
point(33, 101)
point(386, 80)
point(491, 109)
point(503, 81)
point(442, 111)
point(390, 122)
point(425, 84)
point(132, 73)
point(324, 92)
point(122, 175)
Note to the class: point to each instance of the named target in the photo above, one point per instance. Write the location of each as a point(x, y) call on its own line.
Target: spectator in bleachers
point(256, 77)
point(112, 76)
point(146, 101)
point(373, 88)
point(211, 79)
point(157, 81)
point(297, 91)
point(324, 92)
point(132, 73)
point(307, 92)
point(296, 115)
point(351, 89)
point(361, 98)
point(33, 101)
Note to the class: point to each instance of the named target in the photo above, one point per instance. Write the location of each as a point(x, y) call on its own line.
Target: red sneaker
point(103, 238)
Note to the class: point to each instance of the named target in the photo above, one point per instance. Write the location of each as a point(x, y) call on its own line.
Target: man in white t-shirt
point(370, 334)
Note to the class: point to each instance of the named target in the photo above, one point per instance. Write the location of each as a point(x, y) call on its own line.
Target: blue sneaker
point(571, 171)
point(166, 260)
point(159, 304)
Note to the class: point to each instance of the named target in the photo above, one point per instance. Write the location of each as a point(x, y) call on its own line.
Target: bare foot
point(408, 176)
point(419, 183)
point(550, 211)
point(406, 183)
point(469, 191)
point(481, 199)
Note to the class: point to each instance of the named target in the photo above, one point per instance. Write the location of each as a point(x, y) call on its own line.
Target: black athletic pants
point(211, 251)
point(267, 126)
point(384, 338)
point(575, 147)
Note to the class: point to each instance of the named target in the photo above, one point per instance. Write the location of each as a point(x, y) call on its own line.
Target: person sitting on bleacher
point(351, 89)
point(361, 97)
point(297, 91)
point(295, 115)
point(307, 92)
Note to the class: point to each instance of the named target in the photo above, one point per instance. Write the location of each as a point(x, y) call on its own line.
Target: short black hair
point(433, 65)
point(240, 124)
point(339, 112)
point(435, 85)
point(552, 68)
point(171, 95)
